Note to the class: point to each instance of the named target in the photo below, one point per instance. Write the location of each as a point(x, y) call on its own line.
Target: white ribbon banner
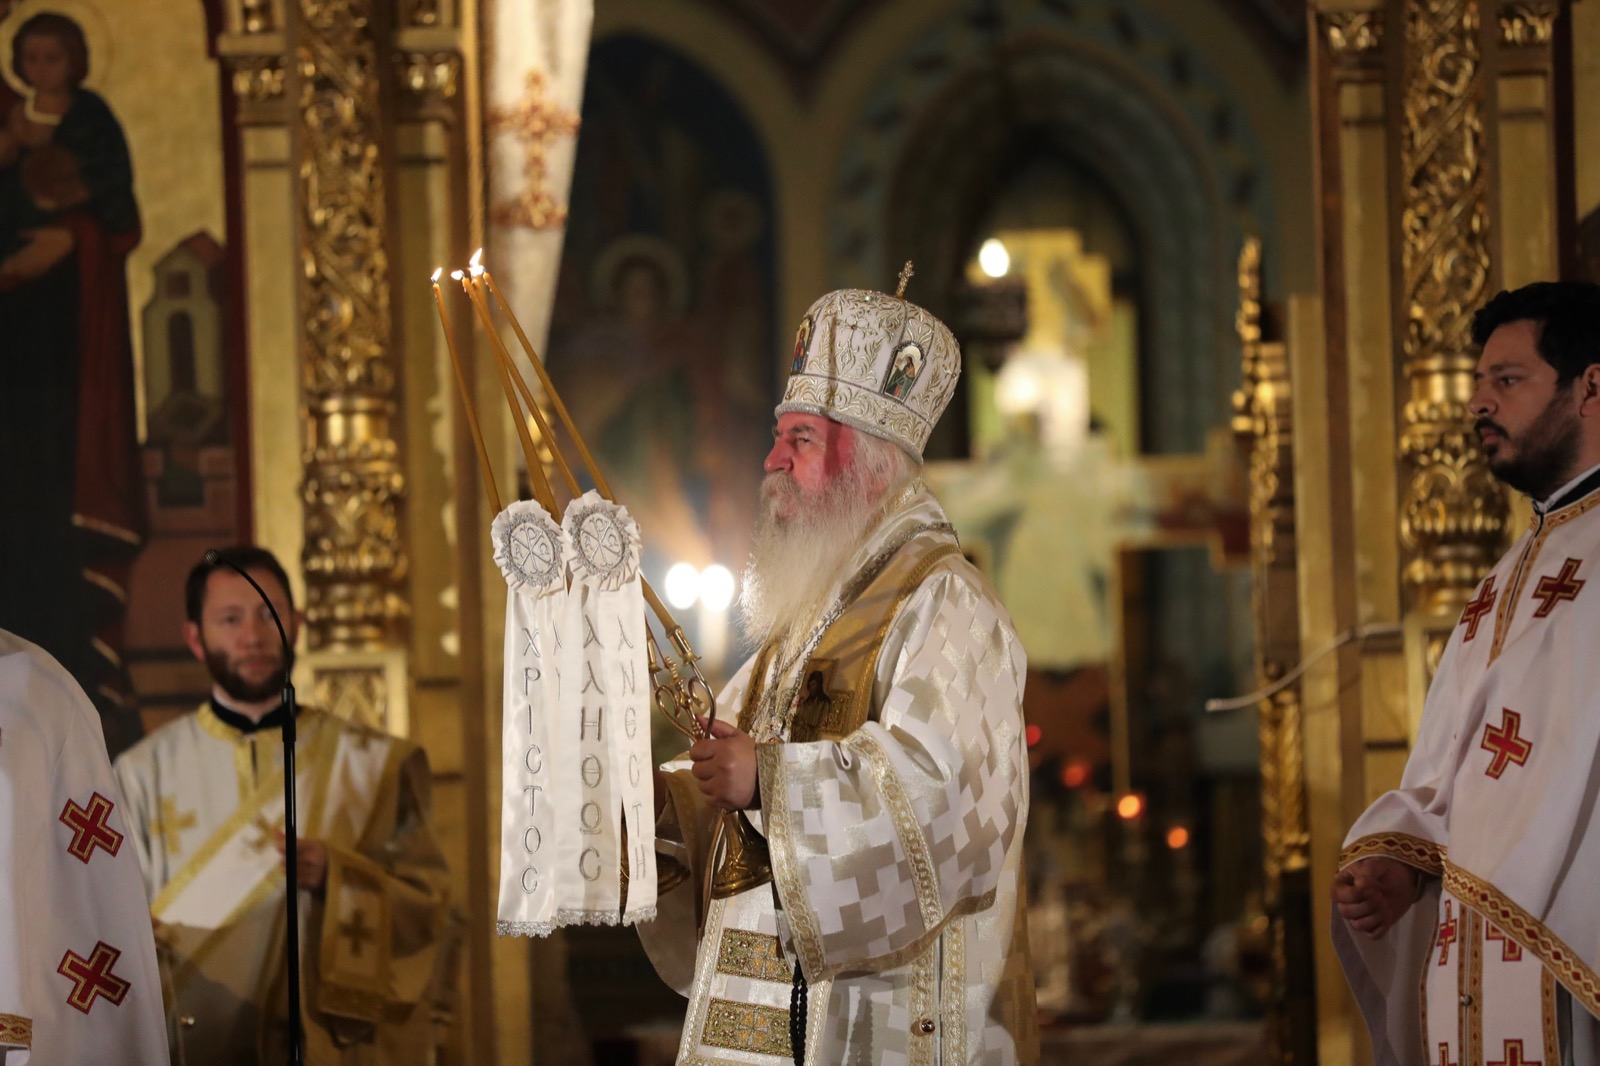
point(531, 551)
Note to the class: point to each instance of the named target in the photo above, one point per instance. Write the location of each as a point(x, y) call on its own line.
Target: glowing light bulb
point(716, 587)
point(993, 258)
point(683, 585)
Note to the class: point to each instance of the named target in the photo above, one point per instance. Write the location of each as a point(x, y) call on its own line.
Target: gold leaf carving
point(1353, 33)
point(1526, 25)
point(435, 75)
point(423, 13)
point(256, 16)
point(1453, 515)
point(353, 492)
point(258, 79)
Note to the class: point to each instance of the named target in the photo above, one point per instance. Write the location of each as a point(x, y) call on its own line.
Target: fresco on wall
point(74, 515)
point(662, 341)
point(118, 402)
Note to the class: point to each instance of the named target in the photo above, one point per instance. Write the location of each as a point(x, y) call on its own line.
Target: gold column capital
point(1528, 23)
point(1353, 35)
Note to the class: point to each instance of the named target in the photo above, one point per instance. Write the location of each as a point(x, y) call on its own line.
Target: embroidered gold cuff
point(1425, 855)
point(16, 1031)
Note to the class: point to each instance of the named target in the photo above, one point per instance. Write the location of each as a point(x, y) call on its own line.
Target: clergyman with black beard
point(205, 803)
point(1490, 835)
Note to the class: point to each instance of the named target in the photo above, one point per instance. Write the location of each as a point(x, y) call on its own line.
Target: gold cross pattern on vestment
point(170, 824)
point(356, 930)
point(264, 832)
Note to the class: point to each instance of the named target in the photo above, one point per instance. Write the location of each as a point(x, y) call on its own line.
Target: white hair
point(798, 562)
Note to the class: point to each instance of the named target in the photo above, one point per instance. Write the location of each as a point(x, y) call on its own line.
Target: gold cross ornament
point(537, 122)
point(170, 824)
point(906, 274)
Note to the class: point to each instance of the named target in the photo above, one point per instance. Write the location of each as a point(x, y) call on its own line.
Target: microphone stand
point(291, 858)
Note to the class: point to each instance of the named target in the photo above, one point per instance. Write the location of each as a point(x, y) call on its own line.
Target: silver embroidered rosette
point(605, 542)
point(529, 548)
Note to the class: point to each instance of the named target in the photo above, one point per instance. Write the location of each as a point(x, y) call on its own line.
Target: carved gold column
point(353, 492)
point(1453, 513)
point(1263, 427)
point(1532, 204)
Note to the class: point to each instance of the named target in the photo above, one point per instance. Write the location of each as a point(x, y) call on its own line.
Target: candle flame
point(436, 272)
point(477, 258)
point(457, 275)
point(478, 271)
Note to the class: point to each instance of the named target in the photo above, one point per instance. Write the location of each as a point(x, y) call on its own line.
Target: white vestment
point(79, 985)
point(204, 800)
point(1497, 960)
point(894, 793)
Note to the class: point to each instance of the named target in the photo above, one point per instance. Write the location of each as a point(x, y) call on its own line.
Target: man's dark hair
point(244, 556)
point(1568, 313)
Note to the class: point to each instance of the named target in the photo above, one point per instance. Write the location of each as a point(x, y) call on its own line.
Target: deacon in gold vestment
point(205, 810)
point(863, 902)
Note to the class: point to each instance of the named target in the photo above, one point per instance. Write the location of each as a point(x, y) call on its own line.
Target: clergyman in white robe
point(1499, 958)
point(79, 985)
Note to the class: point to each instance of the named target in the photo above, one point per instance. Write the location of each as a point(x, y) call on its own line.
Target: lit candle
point(541, 484)
point(466, 395)
point(589, 464)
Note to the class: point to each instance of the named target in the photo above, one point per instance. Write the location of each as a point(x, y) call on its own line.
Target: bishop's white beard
point(799, 562)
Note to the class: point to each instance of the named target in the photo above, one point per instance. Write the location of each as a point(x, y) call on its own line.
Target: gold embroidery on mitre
point(747, 1027)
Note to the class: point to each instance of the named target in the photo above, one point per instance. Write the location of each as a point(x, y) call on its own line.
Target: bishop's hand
point(725, 767)
point(1373, 893)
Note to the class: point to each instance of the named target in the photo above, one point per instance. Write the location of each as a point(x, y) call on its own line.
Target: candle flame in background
point(476, 261)
point(1177, 837)
point(1130, 806)
point(436, 272)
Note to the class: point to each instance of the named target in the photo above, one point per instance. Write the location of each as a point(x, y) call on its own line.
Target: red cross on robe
point(1505, 744)
point(1510, 950)
point(1563, 586)
point(89, 828)
point(92, 978)
point(1449, 933)
point(1513, 1056)
point(1478, 609)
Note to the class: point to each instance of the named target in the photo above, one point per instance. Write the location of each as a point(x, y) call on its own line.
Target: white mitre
point(875, 362)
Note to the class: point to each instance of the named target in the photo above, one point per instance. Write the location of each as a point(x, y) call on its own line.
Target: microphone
point(291, 858)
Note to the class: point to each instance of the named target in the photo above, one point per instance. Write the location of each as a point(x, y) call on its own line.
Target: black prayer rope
point(797, 1015)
